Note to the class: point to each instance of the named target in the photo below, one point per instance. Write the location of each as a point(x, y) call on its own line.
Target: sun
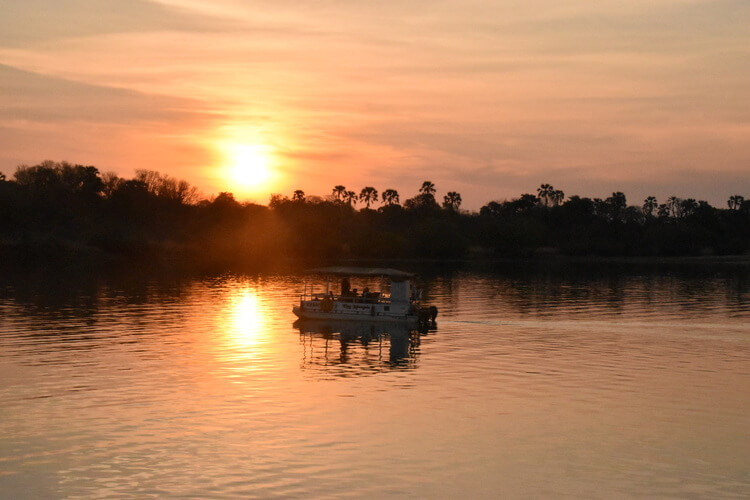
point(249, 166)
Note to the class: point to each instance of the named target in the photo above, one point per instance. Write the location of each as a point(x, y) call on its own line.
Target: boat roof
point(361, 271)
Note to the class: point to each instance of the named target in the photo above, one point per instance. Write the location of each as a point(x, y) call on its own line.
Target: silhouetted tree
point(427, 188)
point(298, 196)
point(557, 196)
point(225, 199)
point(338, 192)
point(60, 203)
point(277, 200)
point(545, 193)
point(735, 202)
point(39, 177)
point(167, 188)
point(614, 207)
point(663, 210)
point(350, 197)
point(421, 202)
point(54, 178)
point(452, 200)
point(111, 182)
point(523, 205)
point(649, 205)
point(425, 200)
point(688, 207)
point(579, 208)
point(390, 197)
point(368, 195)
point(526, 202)
point(491, 209)
point(675, 206)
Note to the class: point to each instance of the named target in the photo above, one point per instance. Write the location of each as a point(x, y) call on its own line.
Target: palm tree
point(390, 197)
point(662, 210)
point(735, 202)
point(452, 200)
point(614, 207)
point(649, 205)
point(298, 195)
point(675, 208)
point(369, 195)
point(557, 196)
point(427, 188)
point(338, 192)
point(688, 207)
point(350, 197)
point(545, 193)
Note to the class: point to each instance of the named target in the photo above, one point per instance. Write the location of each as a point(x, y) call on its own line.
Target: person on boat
point(345, 286)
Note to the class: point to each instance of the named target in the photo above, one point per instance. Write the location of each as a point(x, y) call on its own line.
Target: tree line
point(57, 208)
point(369, 196)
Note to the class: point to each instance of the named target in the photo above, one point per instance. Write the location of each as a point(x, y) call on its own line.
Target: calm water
point(539, 381)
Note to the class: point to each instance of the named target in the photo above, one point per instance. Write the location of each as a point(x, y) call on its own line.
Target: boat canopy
point(362, 271)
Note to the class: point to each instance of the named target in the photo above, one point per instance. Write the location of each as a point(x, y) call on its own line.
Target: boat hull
point(354, 316)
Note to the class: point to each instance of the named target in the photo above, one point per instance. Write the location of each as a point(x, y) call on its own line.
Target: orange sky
point(486, 98)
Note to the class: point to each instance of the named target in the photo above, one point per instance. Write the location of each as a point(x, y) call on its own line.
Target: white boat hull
point(373, 315)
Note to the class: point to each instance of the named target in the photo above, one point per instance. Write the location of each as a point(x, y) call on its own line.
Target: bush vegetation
point(59, 208)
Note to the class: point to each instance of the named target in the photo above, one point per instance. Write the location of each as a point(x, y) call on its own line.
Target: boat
point(396, 301)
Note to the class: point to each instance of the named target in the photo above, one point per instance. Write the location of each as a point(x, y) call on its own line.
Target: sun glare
point(247, 317)
point(244, 325)
point(249, 168)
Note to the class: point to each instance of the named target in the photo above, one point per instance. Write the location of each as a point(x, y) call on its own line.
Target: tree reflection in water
point(351, 348)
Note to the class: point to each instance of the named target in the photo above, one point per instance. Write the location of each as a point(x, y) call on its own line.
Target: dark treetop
point(58, 209)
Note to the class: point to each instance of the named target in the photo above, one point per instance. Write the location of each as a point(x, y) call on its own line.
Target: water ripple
point(532, 385)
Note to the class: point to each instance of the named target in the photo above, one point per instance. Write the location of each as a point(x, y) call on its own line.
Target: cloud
point(34, 21)
point(44, 117)
point(37, 98)
point(490, 97)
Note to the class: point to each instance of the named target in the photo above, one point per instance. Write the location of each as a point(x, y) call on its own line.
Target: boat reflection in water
point(353, 348)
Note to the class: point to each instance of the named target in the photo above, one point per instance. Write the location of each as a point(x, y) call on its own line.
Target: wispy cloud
point(487, 95)
point(40, 22)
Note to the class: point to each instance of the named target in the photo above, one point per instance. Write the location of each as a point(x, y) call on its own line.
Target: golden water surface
point(538, 381)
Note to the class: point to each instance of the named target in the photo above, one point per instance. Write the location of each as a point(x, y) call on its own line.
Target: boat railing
point(372, 298)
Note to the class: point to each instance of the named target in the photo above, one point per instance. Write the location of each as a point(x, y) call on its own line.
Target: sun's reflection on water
point(244, 327)
point(247, 317)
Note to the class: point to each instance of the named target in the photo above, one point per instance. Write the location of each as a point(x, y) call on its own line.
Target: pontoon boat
point(402, 304)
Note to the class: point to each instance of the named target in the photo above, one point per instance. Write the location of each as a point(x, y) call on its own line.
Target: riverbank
point(176, 259)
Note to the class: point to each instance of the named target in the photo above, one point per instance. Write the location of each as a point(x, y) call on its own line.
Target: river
point(539, 380)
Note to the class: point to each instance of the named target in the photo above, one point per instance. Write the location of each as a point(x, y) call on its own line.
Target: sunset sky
point(488, 98)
